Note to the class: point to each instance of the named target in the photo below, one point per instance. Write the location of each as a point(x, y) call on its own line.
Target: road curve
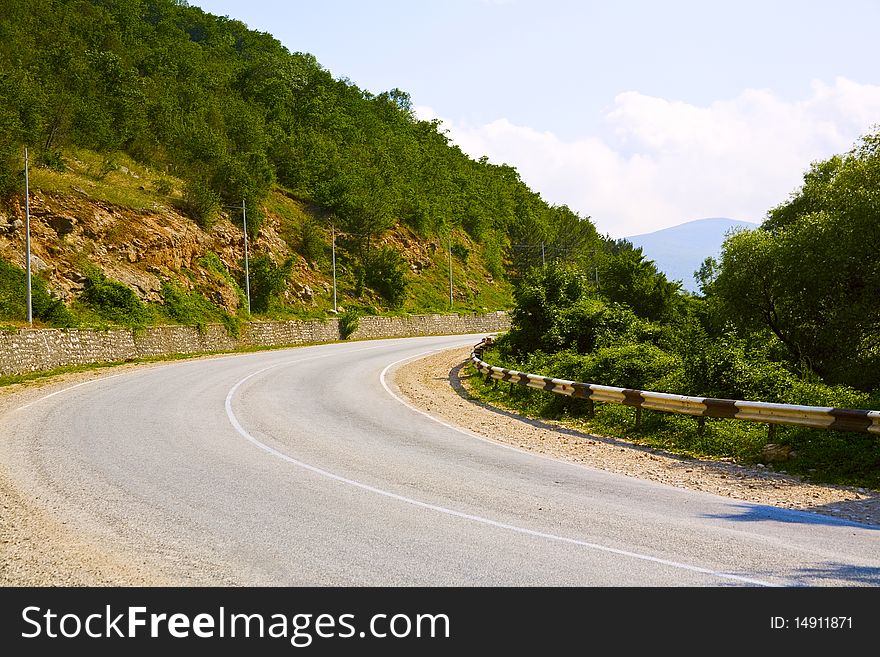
point(302, 467)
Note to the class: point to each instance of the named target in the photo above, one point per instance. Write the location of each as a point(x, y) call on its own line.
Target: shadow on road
point(818, 515)
point(835, 572)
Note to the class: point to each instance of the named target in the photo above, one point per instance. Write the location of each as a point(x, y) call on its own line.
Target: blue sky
point(640, 115)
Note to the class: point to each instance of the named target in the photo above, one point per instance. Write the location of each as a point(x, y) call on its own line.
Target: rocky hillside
point(119, 222)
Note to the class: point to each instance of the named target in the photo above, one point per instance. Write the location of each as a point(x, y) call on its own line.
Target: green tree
point(810, 273)
point(630, 278)
point(267, 281)
point(385, 272)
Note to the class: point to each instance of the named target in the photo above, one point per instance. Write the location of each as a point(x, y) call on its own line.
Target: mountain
point(679, 251)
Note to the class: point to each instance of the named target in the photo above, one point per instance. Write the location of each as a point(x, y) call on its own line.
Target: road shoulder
point(436, 385)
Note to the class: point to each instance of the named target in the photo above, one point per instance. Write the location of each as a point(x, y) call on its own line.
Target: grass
point(428, 291)
point(116, 179)
point(829, 457)
point(292, 216)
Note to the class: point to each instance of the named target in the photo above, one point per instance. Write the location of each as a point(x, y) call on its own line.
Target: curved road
point(302, 467)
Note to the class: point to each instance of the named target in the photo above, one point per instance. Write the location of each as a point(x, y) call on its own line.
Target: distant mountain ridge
point(678, 251)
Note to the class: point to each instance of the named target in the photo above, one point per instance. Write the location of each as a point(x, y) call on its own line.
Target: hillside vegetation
point(789, 313)
point(224, 126)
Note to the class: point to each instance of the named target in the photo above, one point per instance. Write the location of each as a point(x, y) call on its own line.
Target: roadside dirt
point(436, 385)
point(37, 548)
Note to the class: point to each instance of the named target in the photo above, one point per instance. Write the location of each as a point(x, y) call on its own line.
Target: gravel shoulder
point(436, 385)
point(38, 548)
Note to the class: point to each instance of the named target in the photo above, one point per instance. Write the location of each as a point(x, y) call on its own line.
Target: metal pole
point(450, 273)
point(247, 273)
point(27, 240)
point(333, 233)
point(543, 260)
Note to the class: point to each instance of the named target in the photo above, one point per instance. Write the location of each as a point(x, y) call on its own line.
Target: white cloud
point(658, 162)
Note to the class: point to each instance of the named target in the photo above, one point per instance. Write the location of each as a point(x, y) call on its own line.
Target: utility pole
point(450, 272)
point(543, 259)
point(333, 251)
point(247, 273)
point(27, 240)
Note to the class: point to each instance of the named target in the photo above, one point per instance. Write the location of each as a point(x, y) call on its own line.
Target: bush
point(814, 393)
point(189, 308)
point(590, 324)
point(639, 366)
point(52, 159)
point(164, 186)
point(348, 323)
point(201, 203)
point(540, 297)
point(268, 281)
point(113, 301)
point(312, 245)
point(45, 305)
point(211, 261)
point(493, 257)
point(727, 368)
point(385, 272)
point(460, 251)
point(11, 172)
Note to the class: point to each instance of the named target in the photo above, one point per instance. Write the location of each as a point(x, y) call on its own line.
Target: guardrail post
point(638, 418)
point(771, 432)
point(701, 426)
point(591, 407)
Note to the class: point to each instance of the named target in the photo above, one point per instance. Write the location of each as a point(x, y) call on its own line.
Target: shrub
point(493, 258)
point(589, 324)
point(460, 251)
point(348, 323)
point(186, 307)
point(164, 186)
point(211, 261)
point(201, 203)
point(385, 272)
point(312, 245)
point(639, 366)
point(11, 172)
point(113, 301)
point(45, 305)
point(728, 368)
point(268, 281)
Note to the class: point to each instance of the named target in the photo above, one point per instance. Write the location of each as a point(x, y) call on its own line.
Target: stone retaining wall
point(31, 350)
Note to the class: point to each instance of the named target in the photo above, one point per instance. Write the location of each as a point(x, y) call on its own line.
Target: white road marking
point(466, 432)
point(444, 510)
point(58, 392)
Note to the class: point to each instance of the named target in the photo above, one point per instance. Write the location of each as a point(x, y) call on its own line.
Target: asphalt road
point(300, 467)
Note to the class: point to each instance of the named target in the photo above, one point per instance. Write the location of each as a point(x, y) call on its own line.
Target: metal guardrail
point(816, 417)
